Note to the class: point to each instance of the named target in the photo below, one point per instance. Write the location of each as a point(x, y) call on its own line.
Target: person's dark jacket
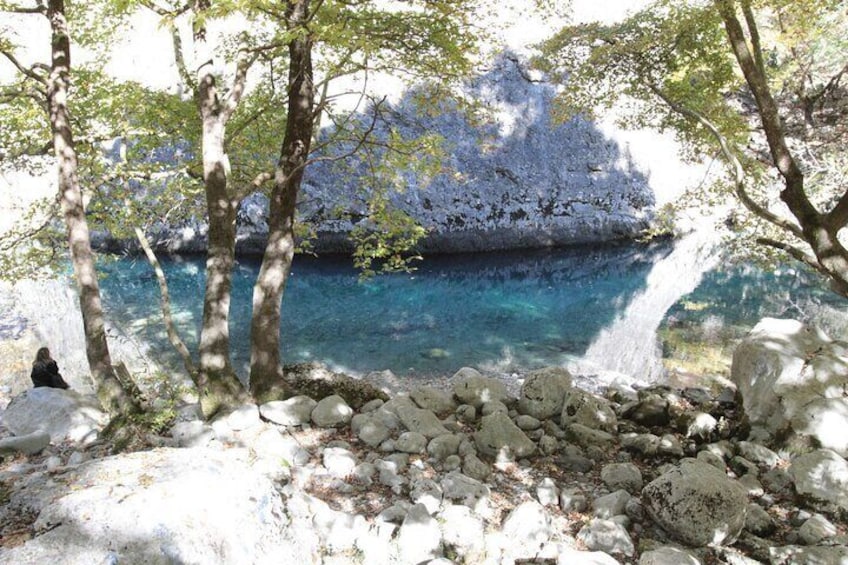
point(47, 374)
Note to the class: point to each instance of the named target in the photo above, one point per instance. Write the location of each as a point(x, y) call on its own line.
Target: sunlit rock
point(697, 504)
point(793, 379)
point(606, 536)
point(528, 526)
point(822, 476)
point(157, 507)
point(294, 411)
point(28, 444)
point(429, 398)
point(331, 412)
point(64, 414)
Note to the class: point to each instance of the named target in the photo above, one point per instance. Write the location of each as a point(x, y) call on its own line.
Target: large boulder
point(64, 414)
point(793, 381)
point(543, 392)
point(697, 504)
point(586, 409)
point(163, 506)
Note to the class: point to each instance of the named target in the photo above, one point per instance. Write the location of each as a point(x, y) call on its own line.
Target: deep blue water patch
point(504, 311)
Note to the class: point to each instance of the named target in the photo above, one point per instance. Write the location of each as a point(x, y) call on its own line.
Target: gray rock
point(548, 445)
point(777, 481)
point(543, 392)
point(64, 414)
point(499, 436)
point(573, 500)
point(586, 409)
point(527, 527)
point(444, 446)
point(797, 555)
point(575, 463)
point(670, 445)
point(295, 411)
point(29, 444)
point(331, 412)
point(646, 444)
point(711, 459)
point(625, 476)
point(816, 529)
point(421, 421)
point(411, 442)
point(649, 411)
point(758, 521)
point(697, 504)
point(371, 430)
point(466, 413)
point(822, 476)
point(527, 423)
point(793, 377)
point(668, 556)
point(470, 387)
point(433, 399)
point(419, 537)
point(586, 437)
point(606, 536)
point(493, 406)
point(460, 487)
point(389, 474)
point(759, 454)
point(611, 505)
point(476, 468)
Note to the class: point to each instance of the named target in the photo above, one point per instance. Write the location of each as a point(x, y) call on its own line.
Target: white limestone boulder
point(64, 414)
point(162, 506)
point(822, 476)
point(793, 380)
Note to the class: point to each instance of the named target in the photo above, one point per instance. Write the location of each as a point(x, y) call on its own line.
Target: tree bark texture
point(217, 382)
point(266, 377)
point(109, 390)
point(818, 231)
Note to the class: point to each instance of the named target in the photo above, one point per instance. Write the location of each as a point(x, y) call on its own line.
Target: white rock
point(611, 505)
point(419, 538)
point(568, 556)
point(606, 536)
point(192, 434)
point(668, 556)
point(339, 462)
point(823, 476)
point(331, 412)
point(294, 411)
point(528, 526)
point(64, 414)
point(547, 492)
point(462, 531)
point(28, 444)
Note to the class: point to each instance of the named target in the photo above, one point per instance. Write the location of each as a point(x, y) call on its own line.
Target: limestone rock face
point(697, 504)
point(64, 414)
point(823, 476)
point(498, 434)
point(543, 392)
point(161, 506)
point(793, 381)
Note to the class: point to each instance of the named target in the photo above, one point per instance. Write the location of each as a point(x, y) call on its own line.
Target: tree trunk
point(109, 390)
point(265, 367)
point(217, 383)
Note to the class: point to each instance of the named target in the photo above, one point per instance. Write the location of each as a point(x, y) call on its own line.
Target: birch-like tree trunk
point(109, 390)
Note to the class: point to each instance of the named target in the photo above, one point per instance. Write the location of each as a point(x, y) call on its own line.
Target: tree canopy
point(758, 82)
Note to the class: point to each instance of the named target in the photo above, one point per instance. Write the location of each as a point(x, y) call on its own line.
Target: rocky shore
point(752, 472)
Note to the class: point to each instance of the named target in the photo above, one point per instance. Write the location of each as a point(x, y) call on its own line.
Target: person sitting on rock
point(45, 371)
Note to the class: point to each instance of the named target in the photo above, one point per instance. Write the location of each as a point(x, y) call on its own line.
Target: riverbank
point(466, 474)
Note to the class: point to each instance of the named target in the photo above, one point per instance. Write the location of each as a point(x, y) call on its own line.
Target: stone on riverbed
point(543, 392)
point(470, 387)
point(499, 436)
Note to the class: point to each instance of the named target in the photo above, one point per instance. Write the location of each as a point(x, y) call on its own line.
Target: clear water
point(498, 311)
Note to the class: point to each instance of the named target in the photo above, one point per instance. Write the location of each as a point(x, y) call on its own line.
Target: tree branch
point(29, 73)
point(754, 32)
point(246, 58)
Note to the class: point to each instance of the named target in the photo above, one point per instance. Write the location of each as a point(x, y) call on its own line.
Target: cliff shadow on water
point(497, 311)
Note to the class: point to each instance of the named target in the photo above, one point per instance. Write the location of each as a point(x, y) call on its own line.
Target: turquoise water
point(499, 311)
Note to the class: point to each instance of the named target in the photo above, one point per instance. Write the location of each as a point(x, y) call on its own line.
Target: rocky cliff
point(518, 180)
